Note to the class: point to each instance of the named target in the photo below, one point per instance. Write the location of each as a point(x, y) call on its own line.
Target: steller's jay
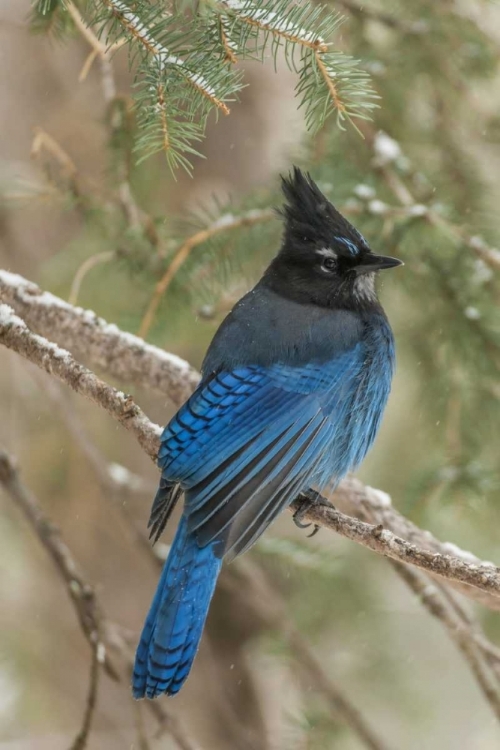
point(293, 388)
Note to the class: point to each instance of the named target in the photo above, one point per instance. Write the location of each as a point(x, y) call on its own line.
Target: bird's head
point(323, 258)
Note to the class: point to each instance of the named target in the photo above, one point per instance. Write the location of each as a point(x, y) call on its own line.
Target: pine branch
point(171, 54)
point(140, 32)
point(276, 22)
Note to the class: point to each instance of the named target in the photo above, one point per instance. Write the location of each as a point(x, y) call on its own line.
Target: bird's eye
point(329, 265)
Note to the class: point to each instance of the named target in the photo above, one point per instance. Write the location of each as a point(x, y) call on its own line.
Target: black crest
point(310, 217)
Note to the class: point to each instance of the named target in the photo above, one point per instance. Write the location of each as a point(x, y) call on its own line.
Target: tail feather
point(173, 628)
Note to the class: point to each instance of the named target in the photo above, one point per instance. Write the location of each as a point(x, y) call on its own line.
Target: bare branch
point(113, 477)
point(96, 628)
point(482, 575)
point(81, 738)
point(83, 270)
point(92, 339)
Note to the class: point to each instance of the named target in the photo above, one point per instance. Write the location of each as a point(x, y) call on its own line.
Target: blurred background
point(422, 184)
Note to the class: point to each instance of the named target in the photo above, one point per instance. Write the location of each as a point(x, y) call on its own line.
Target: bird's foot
point(307, 499)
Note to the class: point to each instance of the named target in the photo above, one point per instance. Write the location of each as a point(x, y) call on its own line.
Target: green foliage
point(50, 17)
point(183, 62)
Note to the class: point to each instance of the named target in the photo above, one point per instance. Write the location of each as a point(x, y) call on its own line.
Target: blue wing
point(248, 441)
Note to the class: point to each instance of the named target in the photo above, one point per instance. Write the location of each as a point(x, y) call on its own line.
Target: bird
point(293, 388)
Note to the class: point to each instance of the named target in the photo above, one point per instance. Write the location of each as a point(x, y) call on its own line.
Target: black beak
point(373, 263)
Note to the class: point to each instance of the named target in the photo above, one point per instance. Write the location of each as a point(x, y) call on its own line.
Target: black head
point(323, 260)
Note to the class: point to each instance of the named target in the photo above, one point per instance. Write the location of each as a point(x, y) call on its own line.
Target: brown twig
point(163, 117)
point(484, 576)
point(132, 212)
point(337, 101)
point(81, 739)
point(81, 593)
point(226, 42)
point(83, 270)
point(222, 224)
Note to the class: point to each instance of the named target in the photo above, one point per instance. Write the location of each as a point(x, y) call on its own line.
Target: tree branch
point(92, 339)
point(392, 535)
point(15, 334)
point(268, 603)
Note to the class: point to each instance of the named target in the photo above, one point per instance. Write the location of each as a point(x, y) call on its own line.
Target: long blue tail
point(174, 625)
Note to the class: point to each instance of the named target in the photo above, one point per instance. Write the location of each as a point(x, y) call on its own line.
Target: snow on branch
point(140, 31)
point(92, 339)
point(276, 23)
point(16, 335)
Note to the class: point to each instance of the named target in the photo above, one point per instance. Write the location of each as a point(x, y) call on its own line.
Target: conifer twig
point(337, 102)
point(141, 33)
point(269, 21)
point(222, 224)
point(228, 45)
point(109, 89)
point(489, 255)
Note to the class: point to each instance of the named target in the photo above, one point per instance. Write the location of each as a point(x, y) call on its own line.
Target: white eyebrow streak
point(326, 252)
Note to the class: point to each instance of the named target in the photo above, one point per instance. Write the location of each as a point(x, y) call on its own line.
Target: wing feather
point(248, 441)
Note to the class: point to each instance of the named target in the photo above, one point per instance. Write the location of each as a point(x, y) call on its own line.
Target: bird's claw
point(308, 499)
